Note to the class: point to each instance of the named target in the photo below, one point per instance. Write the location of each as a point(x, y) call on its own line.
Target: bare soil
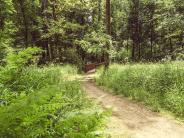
point(130, 119)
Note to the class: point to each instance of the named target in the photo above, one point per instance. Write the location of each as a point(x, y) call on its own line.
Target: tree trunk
point(181, 40)
point(151, 38)
point(45, 43)
point(135, 30)
point(99, 10)
point(108, 27)
point(26, 30)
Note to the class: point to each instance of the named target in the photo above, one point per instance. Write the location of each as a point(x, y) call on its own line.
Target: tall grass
point(158, 85)
point(44, 103)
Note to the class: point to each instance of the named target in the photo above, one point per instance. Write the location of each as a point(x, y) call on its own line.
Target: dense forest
point(46, 46)
point(78, 31)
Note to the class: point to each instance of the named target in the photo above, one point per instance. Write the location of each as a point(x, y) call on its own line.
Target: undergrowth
point(161, 86)
point(45, 103)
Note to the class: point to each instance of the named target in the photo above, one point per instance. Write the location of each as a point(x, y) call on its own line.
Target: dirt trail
point(130, 119)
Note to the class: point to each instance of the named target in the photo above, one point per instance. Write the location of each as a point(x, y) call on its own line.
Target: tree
point(7, 28)
point(146, 30)
point(135, 29)
point(108, 27)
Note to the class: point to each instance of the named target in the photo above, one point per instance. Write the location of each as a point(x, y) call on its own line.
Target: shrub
point(46, 103)
point(158, 85)
point(16, 63)
point(51, 112)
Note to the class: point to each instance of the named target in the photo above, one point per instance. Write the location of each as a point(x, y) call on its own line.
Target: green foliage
point(62, 23)
point(30, 79)
point(158, 85)
point(71, 56)
point(95, 43)
point(121, 55)
point(6, 40)
point(148, 29)
point(15, 65)
point(56, 111)
point(46, 102)
point(23, 57)
point(7, 28)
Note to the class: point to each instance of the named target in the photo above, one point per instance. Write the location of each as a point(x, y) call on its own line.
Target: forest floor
point(130, 119)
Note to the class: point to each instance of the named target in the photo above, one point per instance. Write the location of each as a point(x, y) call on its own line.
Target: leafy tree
point(6, 27)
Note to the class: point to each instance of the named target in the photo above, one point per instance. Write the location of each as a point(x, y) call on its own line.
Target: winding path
point(130, 119)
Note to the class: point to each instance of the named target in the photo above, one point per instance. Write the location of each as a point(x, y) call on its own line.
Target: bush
point(32, 77)
point(16, 63)
point(50, 112)
point(158, 85)
point(44, 102)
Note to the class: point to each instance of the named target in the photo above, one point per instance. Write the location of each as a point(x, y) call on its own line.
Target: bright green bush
point(23, 58)
point(32, 77)
point(158, 85)
point(50, 112)
point(16, 62)
point(44, 102)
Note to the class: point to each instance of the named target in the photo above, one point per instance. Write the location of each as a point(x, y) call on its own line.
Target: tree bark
point(135, 30)
point(99, 10)
point(26, 30)
point(108, 27)
point(45, 43)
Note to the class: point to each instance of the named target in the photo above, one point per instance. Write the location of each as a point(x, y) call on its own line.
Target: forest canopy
point(74, 31)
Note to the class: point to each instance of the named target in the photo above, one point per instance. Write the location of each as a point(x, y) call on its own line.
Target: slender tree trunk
point(99, 10)
point(108, 27)
point(135, 30)
point(45, 43)
point(171, 46)
point(170, 42)
point(151, 39)
point(152, 36)
point(26, 30)
point(108, 16)
point(181, 40)
point(55, 50)
point(127, 45)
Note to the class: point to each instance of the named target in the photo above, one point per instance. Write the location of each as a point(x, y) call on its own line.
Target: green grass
point(46, 103)
point(161, 86)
